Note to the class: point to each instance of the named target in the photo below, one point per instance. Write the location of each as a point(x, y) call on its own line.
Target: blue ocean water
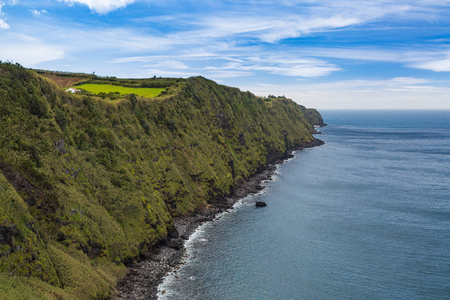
point(366, 216)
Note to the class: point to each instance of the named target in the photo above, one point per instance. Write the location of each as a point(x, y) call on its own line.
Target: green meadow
point(108, 88)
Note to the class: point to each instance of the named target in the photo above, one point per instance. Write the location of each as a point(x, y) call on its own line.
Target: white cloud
point(436, 65)
point(101, 6)
point(38, 13)
point(3, 24)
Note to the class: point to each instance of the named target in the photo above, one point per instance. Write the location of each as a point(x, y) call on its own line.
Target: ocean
point(365, 216)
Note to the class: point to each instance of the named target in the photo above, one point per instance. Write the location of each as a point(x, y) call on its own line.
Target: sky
point(327, 54)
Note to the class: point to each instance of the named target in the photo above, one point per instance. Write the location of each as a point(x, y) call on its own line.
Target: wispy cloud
point(241, 63)
point(28, 50)
point(101, 6)
point(79, 38)
point(304, 62)
point(169, 64)
point(272, 21)
point(395, 84)
point(393, 93)
point(217, 73)
point(432, 57)
point(186, 55)
point(409, 80)
point(149, 71)
point(280, 65)
point(441, 64)
point(268, 28)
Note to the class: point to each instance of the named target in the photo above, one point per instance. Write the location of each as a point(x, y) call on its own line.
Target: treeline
point(62, 73)
point(135, 83)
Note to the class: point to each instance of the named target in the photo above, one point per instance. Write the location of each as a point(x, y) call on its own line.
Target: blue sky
point(324, 54)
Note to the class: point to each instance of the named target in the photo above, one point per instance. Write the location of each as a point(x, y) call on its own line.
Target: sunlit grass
point(108, 88)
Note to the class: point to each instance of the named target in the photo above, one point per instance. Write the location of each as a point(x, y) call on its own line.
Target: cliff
point(88, 184)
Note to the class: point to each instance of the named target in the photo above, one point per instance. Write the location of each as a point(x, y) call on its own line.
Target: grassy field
point(108, 88)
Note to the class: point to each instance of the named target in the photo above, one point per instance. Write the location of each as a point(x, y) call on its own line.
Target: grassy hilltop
point(88, 183)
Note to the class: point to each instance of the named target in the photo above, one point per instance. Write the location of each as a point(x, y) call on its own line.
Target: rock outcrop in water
point(87, 184)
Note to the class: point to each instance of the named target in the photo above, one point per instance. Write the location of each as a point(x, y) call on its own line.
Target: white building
point(73, 90)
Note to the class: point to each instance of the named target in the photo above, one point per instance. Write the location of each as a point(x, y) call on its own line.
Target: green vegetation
point(108, 88)
point(87, 185)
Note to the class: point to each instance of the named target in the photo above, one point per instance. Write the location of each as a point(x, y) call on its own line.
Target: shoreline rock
point(145, 275)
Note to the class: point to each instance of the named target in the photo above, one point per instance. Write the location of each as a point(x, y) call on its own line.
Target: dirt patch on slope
point(63, 81)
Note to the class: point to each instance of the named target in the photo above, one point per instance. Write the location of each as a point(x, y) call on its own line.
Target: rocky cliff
point(88, 184)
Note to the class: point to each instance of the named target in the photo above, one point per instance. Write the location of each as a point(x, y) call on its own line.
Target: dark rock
point(260, 204)
point(175, 244)
point(173, 234)
point(240, 182)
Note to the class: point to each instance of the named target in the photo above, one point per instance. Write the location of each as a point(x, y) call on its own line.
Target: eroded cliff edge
point(88, 184)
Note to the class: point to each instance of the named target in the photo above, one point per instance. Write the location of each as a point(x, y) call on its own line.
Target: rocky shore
point(144, 276)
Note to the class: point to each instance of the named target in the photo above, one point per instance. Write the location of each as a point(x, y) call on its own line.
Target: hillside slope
point(88, 184)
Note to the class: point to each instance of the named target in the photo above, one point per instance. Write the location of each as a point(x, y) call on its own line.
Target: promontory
point(91, 180)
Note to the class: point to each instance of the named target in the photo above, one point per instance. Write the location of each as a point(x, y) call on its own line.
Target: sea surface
point(366, 216)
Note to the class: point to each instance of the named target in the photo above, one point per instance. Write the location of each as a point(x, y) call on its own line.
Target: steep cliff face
point(87, 184)
point(313, 117)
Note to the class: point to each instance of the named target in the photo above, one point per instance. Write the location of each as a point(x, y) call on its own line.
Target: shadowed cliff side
point(87, 184)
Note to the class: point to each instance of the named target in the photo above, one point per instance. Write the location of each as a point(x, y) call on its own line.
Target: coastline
point(144, 276)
